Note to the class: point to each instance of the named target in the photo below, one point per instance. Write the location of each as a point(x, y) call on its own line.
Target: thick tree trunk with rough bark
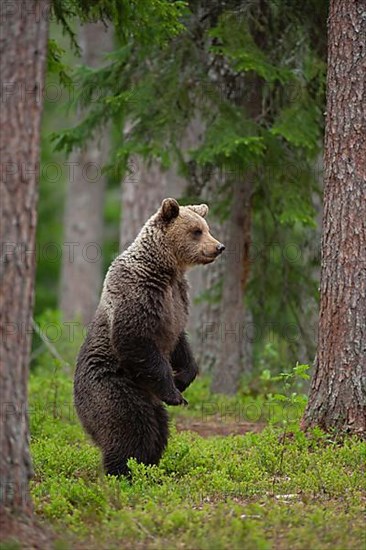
point(230, 327)
point(24, 47)
point(81, 272)
point(338, 390)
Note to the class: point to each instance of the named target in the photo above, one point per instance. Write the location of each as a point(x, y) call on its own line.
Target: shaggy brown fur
point(136, 354)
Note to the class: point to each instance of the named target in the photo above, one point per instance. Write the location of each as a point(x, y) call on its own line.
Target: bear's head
point(188, 234)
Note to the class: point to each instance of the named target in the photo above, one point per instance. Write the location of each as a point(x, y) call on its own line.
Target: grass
point(267, 490)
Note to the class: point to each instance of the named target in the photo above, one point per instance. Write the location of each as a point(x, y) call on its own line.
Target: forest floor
point(216, 426)
point(234, 476)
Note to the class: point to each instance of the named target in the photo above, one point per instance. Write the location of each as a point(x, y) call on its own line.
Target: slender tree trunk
point(235, 348)
point(203, 324)
point(146, 185)
point(143, 190)
point(81, 272)
point(231, 326)
point(24, 47)
point(338, 390)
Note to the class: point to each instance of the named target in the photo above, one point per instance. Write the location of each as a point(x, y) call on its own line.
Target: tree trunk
point(24, 47)
point(143, 190)
point(205, 284)
point(338, 389)
point(81, 272)
point(205, 310)
point(230, 328)
point(146, 185)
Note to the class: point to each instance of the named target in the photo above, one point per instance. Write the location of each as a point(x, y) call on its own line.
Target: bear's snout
point(212, 251)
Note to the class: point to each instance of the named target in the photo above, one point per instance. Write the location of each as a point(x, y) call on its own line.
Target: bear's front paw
point(175, 399)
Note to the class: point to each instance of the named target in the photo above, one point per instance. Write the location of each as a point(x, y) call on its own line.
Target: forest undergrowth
point(237, 473)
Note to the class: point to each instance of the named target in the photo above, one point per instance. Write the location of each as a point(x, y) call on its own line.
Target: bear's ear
point(169, 209)
point(200, 209)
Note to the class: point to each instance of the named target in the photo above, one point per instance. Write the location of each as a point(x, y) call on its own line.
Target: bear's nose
point(220, 248)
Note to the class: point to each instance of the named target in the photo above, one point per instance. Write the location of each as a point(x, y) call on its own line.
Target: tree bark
point(143, 190)
point(24, 46)
point(338, 390)
point(205, 312)
point(146, 185)
point(82, 263)
point(231, 327)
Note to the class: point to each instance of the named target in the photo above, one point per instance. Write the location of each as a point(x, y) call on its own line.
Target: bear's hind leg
point(143, 438)
point(115, 464)
point(161, 416)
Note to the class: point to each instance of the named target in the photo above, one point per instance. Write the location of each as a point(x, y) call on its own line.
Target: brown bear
point(136, 355)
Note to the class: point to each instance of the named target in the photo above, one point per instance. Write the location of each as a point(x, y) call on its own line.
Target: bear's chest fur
point(173, 316)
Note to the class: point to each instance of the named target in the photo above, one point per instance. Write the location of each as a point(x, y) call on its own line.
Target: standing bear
point(136, 355)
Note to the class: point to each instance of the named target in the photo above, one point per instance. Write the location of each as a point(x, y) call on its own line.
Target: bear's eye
point(197, 232)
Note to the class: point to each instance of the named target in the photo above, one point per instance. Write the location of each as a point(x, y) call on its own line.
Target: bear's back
point(96, 354)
